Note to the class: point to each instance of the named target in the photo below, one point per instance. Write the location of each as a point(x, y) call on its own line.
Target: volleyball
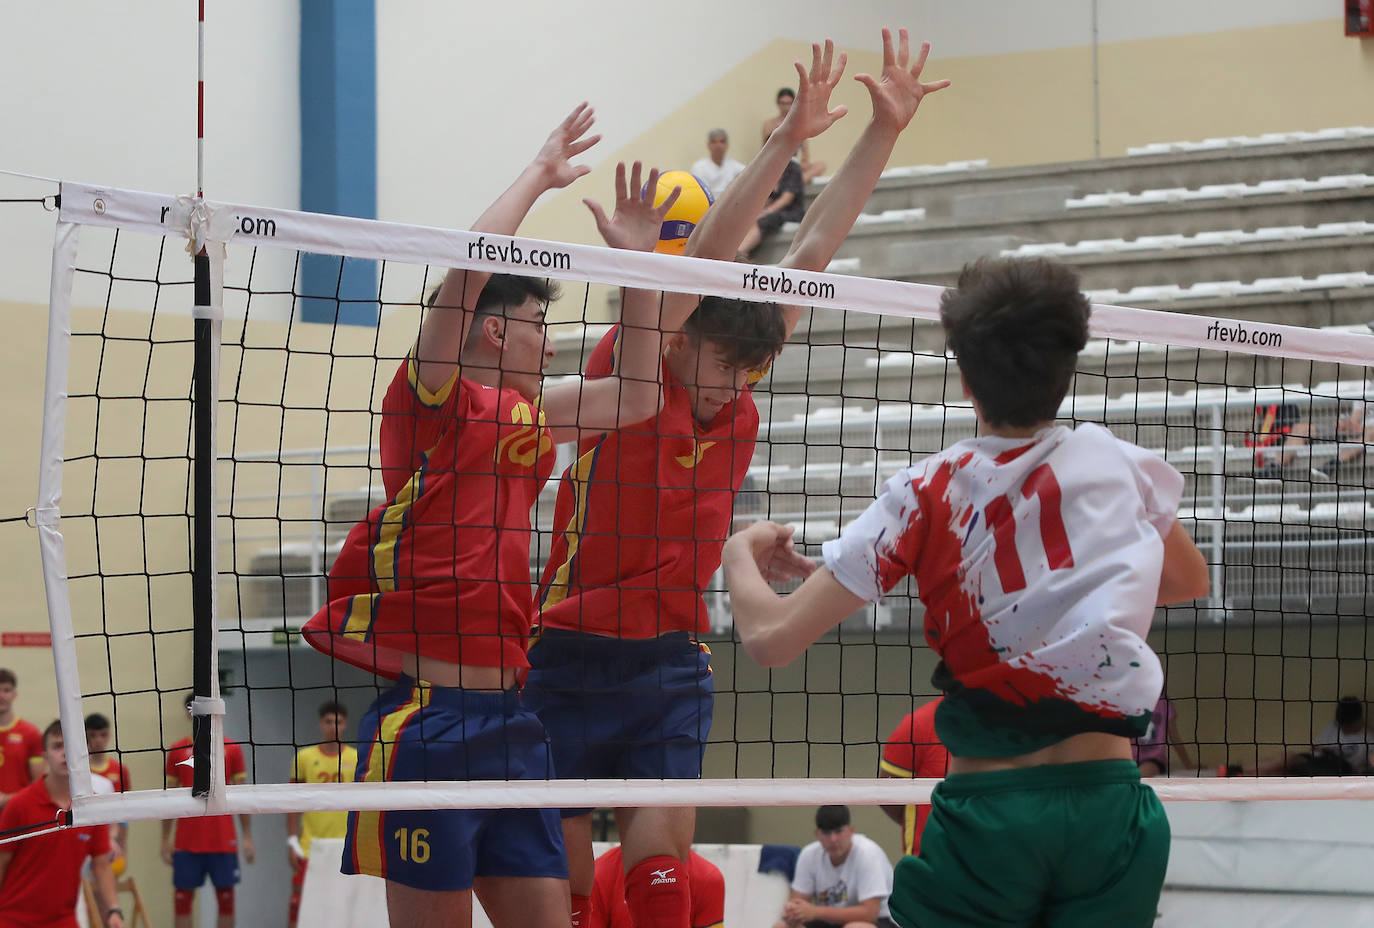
point(691, 205)
point(118, 865)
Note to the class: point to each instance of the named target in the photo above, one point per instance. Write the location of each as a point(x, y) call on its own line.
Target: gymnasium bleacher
point(1265, 229)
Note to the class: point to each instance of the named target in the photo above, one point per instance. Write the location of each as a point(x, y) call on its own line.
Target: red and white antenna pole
point(200, 105)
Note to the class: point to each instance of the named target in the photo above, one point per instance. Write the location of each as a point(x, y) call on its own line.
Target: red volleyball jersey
point(20, 741)
point(442, 568)
point(609, 909)
point(642, 516)
point(913, 751)
point(205, 834)
point(43, 879)
point(111, 769)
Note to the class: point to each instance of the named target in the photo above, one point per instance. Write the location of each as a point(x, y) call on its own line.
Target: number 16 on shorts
point(412, 845)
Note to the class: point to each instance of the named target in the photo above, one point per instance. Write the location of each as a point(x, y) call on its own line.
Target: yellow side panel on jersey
point(572, 533)
point(891, 769)
point(393, 520)
point(360, 614)
point(367, 842)
point(908, 828)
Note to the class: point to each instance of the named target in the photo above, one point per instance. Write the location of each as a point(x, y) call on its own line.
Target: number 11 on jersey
point(1001, 522)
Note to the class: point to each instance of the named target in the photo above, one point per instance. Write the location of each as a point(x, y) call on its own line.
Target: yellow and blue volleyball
point(691, 205)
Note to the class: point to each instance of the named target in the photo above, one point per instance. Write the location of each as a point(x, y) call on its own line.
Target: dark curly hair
point(1016, 327)
point(750, 334)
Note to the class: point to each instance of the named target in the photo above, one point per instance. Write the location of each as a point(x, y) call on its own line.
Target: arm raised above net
point(895, 96)
point(445, 325)
point(722, 228)
point(632, 393)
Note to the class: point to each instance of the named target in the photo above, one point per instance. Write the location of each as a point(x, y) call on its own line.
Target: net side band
point(374, 239)
point(300, 797)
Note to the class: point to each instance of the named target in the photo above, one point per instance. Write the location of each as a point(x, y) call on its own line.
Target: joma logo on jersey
point(523, 446)
point(661, 876)
point(699, 449)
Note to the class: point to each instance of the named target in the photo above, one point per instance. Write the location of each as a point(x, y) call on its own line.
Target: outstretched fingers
point(598, 214)
point(668, 201)
point(920, 64)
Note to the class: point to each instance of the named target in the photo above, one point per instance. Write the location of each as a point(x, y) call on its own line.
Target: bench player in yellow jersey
point(330, 761)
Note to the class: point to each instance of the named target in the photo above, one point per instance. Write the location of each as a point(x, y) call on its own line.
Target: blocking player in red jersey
point(21, 746)
point(433, 589)
point(1040, 553)
point(608, 893)
point(40, 877)
point(914, 751)
point(205, 845)
point(617, 675)
point(104, 763)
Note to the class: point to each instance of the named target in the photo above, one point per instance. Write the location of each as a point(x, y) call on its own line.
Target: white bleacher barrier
point(1222, 237)
point(921, 170)
point(1246, 141)
point(1222, 191)
point(331, 900)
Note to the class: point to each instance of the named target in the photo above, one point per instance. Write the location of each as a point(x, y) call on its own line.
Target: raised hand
point(566, 142)
point(810, 114)
point(637, 221)
point(900, 90)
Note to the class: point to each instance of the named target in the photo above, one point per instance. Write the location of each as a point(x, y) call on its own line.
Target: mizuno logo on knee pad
point(661, 876)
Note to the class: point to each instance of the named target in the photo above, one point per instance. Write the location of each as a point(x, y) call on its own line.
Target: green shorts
point(1059, 845)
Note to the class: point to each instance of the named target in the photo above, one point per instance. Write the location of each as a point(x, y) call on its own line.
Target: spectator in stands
point(1340, 748)
point(717, 169)
point(40, 877)
point(610, 910)
point(21, 746)
point(913, 750)
point(842, 878)
point(810, 170)
point(1151, 749)
point(784, 205)
point(1286, 430)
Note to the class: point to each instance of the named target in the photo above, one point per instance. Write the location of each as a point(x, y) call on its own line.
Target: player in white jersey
point(1040, 553)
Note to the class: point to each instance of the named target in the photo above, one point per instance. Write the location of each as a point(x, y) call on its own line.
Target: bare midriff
point(463, 676)
point(1076, 749)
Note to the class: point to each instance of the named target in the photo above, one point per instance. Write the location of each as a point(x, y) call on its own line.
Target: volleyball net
point(210, 439)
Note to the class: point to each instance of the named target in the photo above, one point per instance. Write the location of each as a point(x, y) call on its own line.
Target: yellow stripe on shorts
point(367, 837)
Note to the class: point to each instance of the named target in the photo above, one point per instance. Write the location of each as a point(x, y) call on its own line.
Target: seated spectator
point(913, 750)
point(810, 170)
point(842, 879)
point(784, 205)
point(1281, 429)
point(1340, 748)
point(610, 910)
point(1151, 749)
point(717, 169)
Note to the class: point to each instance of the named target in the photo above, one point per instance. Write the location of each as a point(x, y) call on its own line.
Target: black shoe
point(1269, 472)
point(1328, 468)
